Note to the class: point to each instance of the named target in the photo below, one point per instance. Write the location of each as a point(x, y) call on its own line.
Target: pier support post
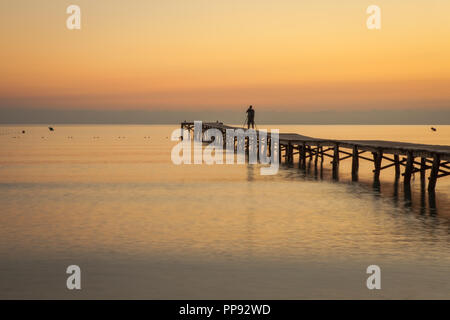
point(286, 153)
point(279, 152)
point(321, 155)
point(291, 154)
point(247, 147)
point(336, 162)
point(309, 157)
point(397, 166)
point(377, 158)
point(355, 163)
point(423, 168)
point(300, 150)
point(408, 169)
point(434, 173)
point(321, 162)
point(316, 157)
point(306, 153)
point(291, 160)
point(303, 156)
point(224, 140)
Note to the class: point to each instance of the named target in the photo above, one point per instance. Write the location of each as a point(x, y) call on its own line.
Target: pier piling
point(355, 163)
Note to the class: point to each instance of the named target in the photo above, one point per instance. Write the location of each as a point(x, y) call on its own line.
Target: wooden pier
point(411, 156)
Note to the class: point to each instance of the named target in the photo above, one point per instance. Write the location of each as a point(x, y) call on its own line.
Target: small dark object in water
point(434, 129)
point(51, 129)
point(23, 131)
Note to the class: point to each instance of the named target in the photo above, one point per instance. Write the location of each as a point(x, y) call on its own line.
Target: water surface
point(109, 199)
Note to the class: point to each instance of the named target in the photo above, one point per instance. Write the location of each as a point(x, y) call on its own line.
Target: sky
point(211, 55)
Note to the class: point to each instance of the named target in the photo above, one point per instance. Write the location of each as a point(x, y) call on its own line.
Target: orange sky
point(295, 55)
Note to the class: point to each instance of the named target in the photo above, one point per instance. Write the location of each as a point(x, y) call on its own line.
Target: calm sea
point(109, 199)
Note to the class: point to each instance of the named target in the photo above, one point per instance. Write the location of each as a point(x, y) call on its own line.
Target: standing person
point(250, 117)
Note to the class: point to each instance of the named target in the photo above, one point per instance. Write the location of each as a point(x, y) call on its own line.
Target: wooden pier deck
point(412, 157)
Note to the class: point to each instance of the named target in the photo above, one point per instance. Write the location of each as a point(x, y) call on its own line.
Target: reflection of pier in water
point(431, 160)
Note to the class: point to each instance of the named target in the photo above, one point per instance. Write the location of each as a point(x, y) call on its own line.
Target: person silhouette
point(250, 117)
